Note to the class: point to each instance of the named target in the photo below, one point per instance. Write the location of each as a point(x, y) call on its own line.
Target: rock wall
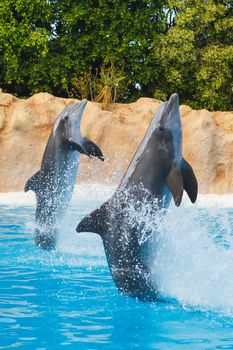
point(26, 124)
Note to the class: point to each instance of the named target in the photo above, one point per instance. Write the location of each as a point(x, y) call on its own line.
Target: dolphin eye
point(66, 117)
point(160, 128)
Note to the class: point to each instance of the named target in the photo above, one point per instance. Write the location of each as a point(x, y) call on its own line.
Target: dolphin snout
point(173, 105)
point(174, 98)
point(172, 115)
point(79, 108)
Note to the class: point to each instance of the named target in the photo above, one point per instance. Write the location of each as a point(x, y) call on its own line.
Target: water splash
point(194, 262)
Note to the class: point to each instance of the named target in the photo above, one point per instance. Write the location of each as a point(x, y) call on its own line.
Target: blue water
point(67, 299)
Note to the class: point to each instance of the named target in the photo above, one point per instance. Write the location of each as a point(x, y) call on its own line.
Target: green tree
point(195, 55)
point(25, 29)
point(155, 47)
point(46, 45)
point(92, 34)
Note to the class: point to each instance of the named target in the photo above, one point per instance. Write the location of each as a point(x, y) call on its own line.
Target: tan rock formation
point(26, 124)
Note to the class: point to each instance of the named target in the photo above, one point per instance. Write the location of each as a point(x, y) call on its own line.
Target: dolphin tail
point(94, 222)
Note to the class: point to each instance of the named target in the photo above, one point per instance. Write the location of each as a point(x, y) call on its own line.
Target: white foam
point(88, 192)
point(190, 265)
point(17, 198)
point(83, 191)
point(212, 200)
point(92, 192)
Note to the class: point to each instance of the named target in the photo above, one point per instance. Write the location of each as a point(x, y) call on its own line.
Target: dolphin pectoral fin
point(92, 223)
point(33, 182)
point(189, 179)
point(91, 149)
point(76, 146)
point(175, 184)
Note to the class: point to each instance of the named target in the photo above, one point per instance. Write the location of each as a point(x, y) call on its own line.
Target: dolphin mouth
point(74, 138)
point(77, 109)
point(170, 111)
point(81, 106)
point(172, 105)
point(174, 98)
point(74, 108)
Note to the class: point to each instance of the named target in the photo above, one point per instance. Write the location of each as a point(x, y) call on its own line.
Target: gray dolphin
point(53, 184)
point(156, 173)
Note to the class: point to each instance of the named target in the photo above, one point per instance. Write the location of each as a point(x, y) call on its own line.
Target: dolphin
point(156, 173)
point(53, 184)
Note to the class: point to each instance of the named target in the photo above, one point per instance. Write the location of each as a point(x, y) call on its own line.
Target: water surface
point(67, 299)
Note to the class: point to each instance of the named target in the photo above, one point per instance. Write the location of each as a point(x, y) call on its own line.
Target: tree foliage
point(129, 48)
point(195, 55)
point(24, 34)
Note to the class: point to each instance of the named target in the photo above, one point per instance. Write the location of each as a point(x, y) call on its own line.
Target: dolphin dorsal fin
point(175, 184)
point(189, 179)
point(33, 183)
point(94, 222)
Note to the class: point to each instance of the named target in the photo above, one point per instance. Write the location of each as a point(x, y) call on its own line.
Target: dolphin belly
point(53, 200)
